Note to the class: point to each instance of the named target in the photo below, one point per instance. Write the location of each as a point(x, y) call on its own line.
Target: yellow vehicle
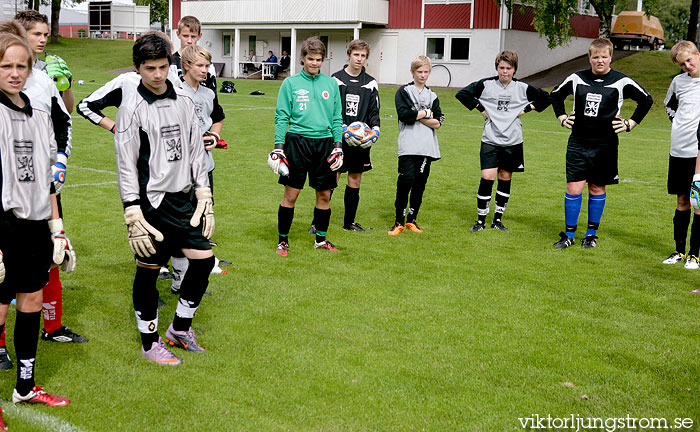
point(637, 29)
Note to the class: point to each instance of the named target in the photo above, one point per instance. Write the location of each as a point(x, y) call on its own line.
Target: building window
point(251, 43)
point(459, 48)
point(435, 49)
point(227, 45)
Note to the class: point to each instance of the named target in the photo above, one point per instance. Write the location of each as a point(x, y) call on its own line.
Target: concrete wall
point(533, 54)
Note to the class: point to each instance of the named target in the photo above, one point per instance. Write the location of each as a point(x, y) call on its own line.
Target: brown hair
point(600, 44)
point(510, 57)
point(190, 22)
point(358, 45)
point(420, 61)
point(190, 53)
point(683, 46)
point(13, 27)
point(312, 45)
point(28, 18)
point(8, 40)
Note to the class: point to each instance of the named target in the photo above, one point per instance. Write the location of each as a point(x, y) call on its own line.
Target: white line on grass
point(91, 184)
point(39, 418)
point(92, 169)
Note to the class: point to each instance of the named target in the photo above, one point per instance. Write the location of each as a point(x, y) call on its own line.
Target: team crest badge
point(24, 153)
point(325, 94)
point(592, 104)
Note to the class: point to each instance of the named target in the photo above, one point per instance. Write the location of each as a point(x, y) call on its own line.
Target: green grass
point(442, 331)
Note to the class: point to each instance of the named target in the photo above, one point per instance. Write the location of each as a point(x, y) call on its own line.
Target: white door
point(388, 57)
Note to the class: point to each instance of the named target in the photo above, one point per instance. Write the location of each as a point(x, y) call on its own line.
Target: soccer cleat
point(326, 245)
point(63, 334)
point(3, 426)
point(413, 227)
point(589, 242)
point(183, 339)
point(283, 249)
point(497, 224)
point(355, 227)
point(478, 226)
point(164, 273)
point(564, 242)
point(396, 229)
point(5, 360)
point(692, 263)
point(312, 229)
point(674, 258)
point(39, 396)
point(160, 354)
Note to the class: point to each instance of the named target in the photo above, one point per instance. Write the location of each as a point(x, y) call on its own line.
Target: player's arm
point(92, 105)
point(671, 101)
point(643, 98)
point(337, 116)
point(538, 98)
point(559, 95)
point(283, 113)
point(469, 95)
point(126, 145)
point(68, 99)
point(435, 121)
point(404, 107)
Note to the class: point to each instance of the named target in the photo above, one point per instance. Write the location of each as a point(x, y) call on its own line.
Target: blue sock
point(596, 204)
point(572, 208)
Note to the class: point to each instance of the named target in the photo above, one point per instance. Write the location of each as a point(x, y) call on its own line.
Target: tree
point(693, 21)
point(159, 11)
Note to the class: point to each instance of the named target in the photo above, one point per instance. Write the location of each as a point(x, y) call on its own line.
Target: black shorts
point(172, 219)
point(355, 159)
point(592, 161)
point(27, 254)
point(680, 175)
point(507, 158)
point(308, 155)
point(414, 168)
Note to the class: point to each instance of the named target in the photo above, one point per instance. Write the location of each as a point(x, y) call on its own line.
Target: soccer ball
point(356, 132)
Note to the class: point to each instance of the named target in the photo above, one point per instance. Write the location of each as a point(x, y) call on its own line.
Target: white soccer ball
point(356, 132)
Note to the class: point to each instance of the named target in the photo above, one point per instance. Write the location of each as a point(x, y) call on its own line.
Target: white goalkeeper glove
point(63, 253)
point(58, 172)
point(371, 138)
point(204, 212)
point(485, 115)
point(210, 138)
point(567, 121)
point(336, 158)
point(140, 232)
point(2, 269)
point(428, 113)
point(277, 161)
point(623, 125)
point(349, 138)
point(695, 192)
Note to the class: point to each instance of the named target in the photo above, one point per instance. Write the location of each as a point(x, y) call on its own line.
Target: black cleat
point(5, 360)
point(63, 334)
point(564, 242)
point(478, 226)
point(498, 225)
point(312, 229)
point(355, 227)
point(589, 242)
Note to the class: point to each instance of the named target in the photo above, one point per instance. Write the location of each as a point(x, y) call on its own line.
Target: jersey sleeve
point(283, 112)
point(337, 119)
point(62, 125)
point(437, 111)
point(127, 141)
point(559, 95)
point(404, 107)
point(108, 95)
point(217, 114)
point(374, 120)
point(671, 101)
point(469, 95)
point(199, 157)
point(537, 97)
point(634, 91)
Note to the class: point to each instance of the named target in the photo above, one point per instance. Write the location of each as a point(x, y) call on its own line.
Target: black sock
point(26, 338)
point(403, 188)
point(285, 216)
point(483, 199)
point(193, 287)
point(694, 248)
point(502, 195)
point(352, 199)
point(322, 218)
point(681, 220)
point(145, 298)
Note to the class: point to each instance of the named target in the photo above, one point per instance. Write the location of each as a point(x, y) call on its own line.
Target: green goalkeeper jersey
point(310, 106)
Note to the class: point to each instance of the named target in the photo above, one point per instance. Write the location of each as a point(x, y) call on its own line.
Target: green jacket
point(310, 106)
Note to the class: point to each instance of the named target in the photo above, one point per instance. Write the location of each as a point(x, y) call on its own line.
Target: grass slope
point(442, 331)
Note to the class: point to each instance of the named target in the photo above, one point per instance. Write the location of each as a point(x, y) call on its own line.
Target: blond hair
point(600, 44)
point(190, 53)
point(420, 61)
point(683, 46)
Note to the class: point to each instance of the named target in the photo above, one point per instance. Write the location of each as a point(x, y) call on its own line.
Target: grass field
point(440, 331)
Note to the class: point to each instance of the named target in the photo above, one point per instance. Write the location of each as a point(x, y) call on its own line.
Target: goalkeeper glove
point(204, 212)
point(140, 232)
point(58, 172)
point(525, 110)
point(63, 253)
point(695, 192)
point(485, 115)
point(277, 161)
point(371, 138)
point(336, 157)
point(2, 269)
point(428, 113)
point(567, 121)
point(623, 125)
point(211, 138)
point(58, 70)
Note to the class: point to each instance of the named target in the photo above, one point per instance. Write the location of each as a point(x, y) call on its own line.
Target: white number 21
point(302, 106)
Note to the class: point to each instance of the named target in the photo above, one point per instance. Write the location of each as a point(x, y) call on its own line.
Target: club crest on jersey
point(592, 104)
point(503, 102)
point(24, 154)
point(302, 95)
point(173, 142)
point(325, 94)
point(352, 104)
